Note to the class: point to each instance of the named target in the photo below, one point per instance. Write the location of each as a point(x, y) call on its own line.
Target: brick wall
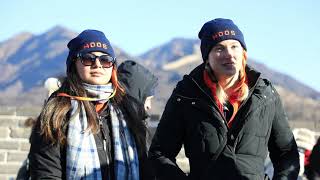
point(14, 143)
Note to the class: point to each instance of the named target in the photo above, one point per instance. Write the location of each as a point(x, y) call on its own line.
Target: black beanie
point(217, 30)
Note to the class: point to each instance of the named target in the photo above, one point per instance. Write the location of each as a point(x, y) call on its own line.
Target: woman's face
point(225, 59)
point(94, 74)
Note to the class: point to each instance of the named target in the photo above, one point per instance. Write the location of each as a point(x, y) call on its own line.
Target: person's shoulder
point(266, 84)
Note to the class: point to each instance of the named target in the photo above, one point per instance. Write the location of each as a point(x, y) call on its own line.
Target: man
point(226, 115)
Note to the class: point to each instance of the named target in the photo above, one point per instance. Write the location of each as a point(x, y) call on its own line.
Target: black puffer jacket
point(313, 170)
point(192, 118)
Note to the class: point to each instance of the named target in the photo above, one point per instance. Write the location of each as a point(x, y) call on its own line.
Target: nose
point(97, 63)
point(228, 53)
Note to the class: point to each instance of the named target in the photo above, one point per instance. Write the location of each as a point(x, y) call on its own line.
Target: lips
point(229, 64)
point(96, 74)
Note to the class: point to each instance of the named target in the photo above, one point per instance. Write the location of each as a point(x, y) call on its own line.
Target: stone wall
point(14, 144)
point(14, 140)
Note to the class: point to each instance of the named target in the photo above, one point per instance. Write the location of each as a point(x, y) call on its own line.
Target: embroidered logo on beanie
point(217, 30)
point(89, 41)
point(95, 44)
point(226, 32)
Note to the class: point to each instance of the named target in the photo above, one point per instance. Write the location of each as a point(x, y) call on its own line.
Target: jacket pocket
point(213, 139)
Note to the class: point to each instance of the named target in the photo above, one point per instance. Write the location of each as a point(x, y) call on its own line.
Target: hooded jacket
point(138, 81)
point(215, 151)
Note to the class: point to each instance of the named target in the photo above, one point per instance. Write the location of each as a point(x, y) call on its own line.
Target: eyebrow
point(218, 46)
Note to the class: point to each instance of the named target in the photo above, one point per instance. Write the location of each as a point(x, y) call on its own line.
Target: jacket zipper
point(104, 137)
point(241, 105)
point(224, 121)
point(216, 107)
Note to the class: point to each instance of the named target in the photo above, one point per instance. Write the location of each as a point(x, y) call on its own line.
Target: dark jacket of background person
point(139, 84)
point(49, 160)
point(313, 170)
point(191, 117)
point(138, 80)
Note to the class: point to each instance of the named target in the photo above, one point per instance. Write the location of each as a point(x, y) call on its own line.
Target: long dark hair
point(54, 115)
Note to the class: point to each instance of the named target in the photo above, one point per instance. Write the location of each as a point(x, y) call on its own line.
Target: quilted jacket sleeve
point(282, 146)
point(167, 142)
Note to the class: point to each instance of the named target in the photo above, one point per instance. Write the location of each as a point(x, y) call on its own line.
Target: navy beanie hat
point(88, 41)
point(217, 30)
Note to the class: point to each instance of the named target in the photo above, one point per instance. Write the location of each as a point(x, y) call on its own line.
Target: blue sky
point(283, 34)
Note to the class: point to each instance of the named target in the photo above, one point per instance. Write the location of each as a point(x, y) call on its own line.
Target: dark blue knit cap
point(89, 41)
point(217, 30)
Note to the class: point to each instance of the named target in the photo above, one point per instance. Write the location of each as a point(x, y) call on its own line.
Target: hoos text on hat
point(223, 33)
point(95, 44)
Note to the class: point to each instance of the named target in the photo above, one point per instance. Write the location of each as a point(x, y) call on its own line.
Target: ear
point(245, 55)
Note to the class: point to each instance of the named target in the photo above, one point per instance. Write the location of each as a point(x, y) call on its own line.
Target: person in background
point(312, 171)
point(86, 129)
point(139, 84)
point(226, 115)
point(52, 84)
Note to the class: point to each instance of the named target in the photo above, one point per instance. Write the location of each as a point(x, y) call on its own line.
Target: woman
point(226, 115)
point(86, 130)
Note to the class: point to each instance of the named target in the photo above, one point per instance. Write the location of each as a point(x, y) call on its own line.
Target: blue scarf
point(82, 155)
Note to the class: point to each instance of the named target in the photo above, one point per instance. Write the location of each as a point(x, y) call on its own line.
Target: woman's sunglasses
point(90, 59)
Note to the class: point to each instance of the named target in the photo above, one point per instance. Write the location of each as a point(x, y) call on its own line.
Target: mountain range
point(27, 60)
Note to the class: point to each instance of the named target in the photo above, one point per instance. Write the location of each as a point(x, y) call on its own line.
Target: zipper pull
point(103, 134)
point(104, 145)
point(108, 161)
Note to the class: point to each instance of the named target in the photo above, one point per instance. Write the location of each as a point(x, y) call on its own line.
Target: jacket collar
point(252, 75)
point(193, 82)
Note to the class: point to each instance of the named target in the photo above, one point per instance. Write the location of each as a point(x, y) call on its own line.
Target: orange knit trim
point(100, 107)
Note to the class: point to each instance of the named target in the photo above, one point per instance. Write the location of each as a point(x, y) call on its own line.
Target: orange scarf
point(233, 95)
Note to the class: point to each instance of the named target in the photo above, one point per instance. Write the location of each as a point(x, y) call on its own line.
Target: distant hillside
point(298, 107)
point(38, 57)
point(27, 60)
point(170, 57)
point(170, 51)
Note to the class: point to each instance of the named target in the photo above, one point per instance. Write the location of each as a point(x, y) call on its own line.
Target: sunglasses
point(90, 59)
